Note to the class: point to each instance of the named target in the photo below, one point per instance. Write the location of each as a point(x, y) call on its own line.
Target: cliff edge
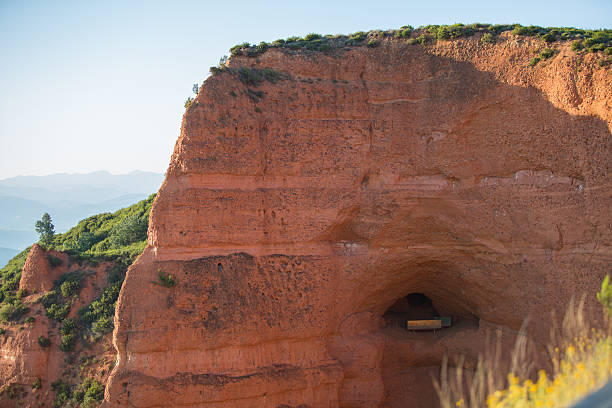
point(313, 196)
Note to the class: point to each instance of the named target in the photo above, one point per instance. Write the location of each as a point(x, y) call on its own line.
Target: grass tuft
point(579, 358)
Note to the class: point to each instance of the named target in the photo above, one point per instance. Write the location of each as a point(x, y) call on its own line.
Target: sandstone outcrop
point(38, 275)
point(296, 212)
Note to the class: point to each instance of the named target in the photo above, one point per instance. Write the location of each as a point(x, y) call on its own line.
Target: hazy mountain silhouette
point(6, 254)
point(68, 198)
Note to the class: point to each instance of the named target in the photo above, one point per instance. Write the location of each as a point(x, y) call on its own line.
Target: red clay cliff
point(297, 212)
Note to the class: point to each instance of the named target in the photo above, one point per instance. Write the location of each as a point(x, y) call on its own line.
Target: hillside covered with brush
point(57, 309)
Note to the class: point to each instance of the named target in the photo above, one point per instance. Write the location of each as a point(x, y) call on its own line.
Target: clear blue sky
point(100, 85)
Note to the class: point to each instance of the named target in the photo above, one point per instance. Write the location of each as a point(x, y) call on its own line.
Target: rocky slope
point(299, 207)
point(28, 366)
point(57, 307)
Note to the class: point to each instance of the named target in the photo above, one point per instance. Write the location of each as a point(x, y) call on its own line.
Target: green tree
point(45, 229)
point(196, 88)
point(84, 241)
point(132, 229)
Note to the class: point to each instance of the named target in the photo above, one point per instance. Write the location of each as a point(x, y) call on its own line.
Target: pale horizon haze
point(100, 85)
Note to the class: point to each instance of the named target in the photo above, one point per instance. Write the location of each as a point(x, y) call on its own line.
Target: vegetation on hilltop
point(120, 236)
point(596, 41)
point(117, 238)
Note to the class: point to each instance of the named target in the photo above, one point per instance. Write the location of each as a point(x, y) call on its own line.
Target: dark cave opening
point(414, 306)
point(415, 346)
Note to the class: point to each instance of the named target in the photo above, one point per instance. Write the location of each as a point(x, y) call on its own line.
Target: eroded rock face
point(295, 213)
point(38, 275)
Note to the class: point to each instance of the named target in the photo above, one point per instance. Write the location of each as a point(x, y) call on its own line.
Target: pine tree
point(45, 229)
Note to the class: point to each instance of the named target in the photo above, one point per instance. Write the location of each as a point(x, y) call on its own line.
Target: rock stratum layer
point(296, 212)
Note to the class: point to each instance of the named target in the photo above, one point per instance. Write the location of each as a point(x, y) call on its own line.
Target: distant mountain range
point(6, 254)
point(68, 198)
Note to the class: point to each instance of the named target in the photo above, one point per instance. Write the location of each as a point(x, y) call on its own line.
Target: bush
point(358, 36)
point(237, 49)
point(577, 45)
point(312, 36)
point(249, 76)
point(44, 341)
point(603, 62)
point(372, 43)
point(70, 288)
point(534, 61)
point(68, 335)
point(132, 229)
point(528, 31)
point(165, 280)
point(58, 311)
point(49, 298)
point(443, 33)
point(423, 39)
point(99, 314)
point(103, 227)
point(62, 393)
point(188, 102)
point(88, 394)
point(404, 33)
point(10, 275)
point(103, 324)
point(57, 308)
point(37, 384)
point(82, 242)
point(254, 77)
point(487, 38)
point(54, 261)
point(11, 311)
point(547, 53)
point(29, 319)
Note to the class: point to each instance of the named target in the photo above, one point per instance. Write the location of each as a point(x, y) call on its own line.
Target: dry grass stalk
point(493, 379)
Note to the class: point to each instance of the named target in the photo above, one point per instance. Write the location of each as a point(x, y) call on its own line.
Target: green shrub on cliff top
point(592, 40)
point(487, 38)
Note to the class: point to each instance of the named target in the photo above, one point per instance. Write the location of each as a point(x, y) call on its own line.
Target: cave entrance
point(413, 355)
point(412, 307)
